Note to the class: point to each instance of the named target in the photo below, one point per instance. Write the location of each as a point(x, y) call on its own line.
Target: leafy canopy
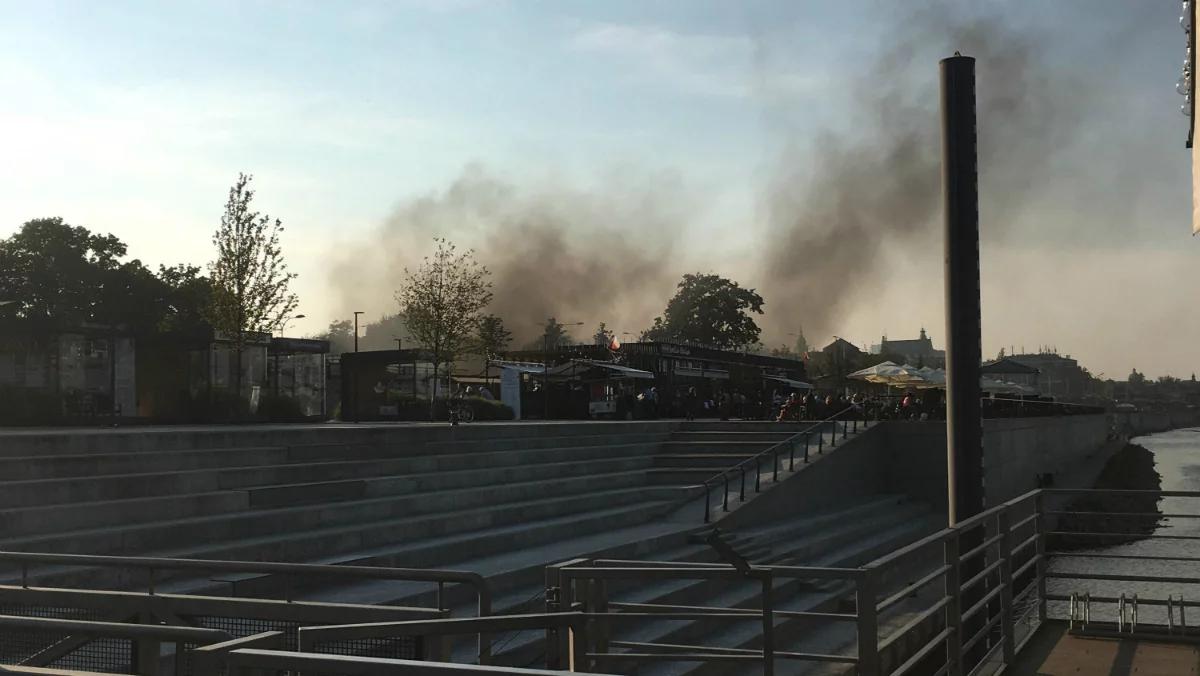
point(442, 301)
point(711, 310)
point(249, 276)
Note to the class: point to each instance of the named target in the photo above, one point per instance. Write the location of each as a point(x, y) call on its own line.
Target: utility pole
point(960, 185)
point(356, 314)
point(964, 424)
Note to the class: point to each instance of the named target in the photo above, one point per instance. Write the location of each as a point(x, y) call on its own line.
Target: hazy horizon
point(594, 152)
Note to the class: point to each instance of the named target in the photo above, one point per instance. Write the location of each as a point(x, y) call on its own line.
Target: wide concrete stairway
point(417, 496)
point(402, 496)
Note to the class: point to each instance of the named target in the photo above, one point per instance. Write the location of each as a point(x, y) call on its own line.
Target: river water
point(1177, 460)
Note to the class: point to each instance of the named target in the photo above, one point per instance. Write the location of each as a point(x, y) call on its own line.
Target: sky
point(641, 140)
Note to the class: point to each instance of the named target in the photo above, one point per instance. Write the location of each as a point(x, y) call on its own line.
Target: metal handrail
point(756, 459)
point(152, 565)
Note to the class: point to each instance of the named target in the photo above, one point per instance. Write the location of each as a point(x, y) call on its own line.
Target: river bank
point(1131, 468)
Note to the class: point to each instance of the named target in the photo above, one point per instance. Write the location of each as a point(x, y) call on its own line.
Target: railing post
point(725, 499)
point(868, 623)
point(742, 484)
point(806, 440)
point(820, 439)
point(953, 607)
point(1041, 526)
point(792, 456)
point(768, 619)
point(707, 502)
point(775, 466)
point(1006, 587)
point(757, 476)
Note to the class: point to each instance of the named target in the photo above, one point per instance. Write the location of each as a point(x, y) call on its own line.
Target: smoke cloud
point(591, 256)
point(836, 209)
point(872, 191)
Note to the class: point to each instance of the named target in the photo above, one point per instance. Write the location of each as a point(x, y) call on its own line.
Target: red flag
point(614, 344)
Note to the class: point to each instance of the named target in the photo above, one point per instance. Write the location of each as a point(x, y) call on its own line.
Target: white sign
point(510, 390)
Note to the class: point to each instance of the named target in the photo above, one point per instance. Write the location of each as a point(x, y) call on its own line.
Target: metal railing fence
point(792, 445)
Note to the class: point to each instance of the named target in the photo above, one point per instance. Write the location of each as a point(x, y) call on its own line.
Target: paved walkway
point(1060, 654)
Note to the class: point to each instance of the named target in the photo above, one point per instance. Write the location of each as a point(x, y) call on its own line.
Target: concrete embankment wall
point(1148, 422)
point(1016, 451)
point(909, 458)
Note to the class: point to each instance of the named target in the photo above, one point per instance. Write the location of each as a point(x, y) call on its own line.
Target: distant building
point(917, 352)
point(842, 349)
point(1012, 371)
point(1059, 376)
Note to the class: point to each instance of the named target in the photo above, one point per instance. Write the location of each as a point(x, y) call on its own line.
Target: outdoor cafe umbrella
point(890, 374)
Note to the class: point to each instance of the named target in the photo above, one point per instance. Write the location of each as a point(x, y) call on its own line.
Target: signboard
point(510, 390)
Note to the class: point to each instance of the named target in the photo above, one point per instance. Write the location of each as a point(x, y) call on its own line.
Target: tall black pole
point(964, 424)
point(960, 186)
point(546, 376)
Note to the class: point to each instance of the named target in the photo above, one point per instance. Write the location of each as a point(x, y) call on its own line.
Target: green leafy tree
point(250, 278)
point(187, 294)
point(58, 274)
point(711, 310)
point(442, 301)
point(492, 337)
point(603, 335)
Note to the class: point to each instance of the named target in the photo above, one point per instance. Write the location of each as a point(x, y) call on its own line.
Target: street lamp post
point(356, 314)
point(354, 368)
point(281, 330)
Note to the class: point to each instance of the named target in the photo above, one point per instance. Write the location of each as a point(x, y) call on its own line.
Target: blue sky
point(135, 117)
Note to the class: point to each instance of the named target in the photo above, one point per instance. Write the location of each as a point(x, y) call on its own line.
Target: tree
point(66, 275)
point(491, 336)
point(187, 294)
point(340, 335)
point(1136, 378)
point(711, 310)
point(442, 301)
point(801, 342)
point(382, 334)
point(782, 351)
point(554, 335)
point(603, 335)
point(250, 278)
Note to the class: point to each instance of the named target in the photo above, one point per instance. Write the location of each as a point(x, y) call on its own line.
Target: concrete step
point(390, 435)
point(527, 645)
point(556, 441)
point(745, 426)
point(726, 446)
point(162, 534)
point(790, 595)
point(307, 493)
point(717, 461)
point(119, 486)
point(91, 464)
point(718, 435)
point(75, 516)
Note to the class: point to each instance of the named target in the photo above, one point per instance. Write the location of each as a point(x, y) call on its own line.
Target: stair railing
point(791, 444)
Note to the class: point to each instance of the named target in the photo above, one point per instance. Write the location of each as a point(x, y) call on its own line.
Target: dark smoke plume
point(871, 191)
point(579, 256)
